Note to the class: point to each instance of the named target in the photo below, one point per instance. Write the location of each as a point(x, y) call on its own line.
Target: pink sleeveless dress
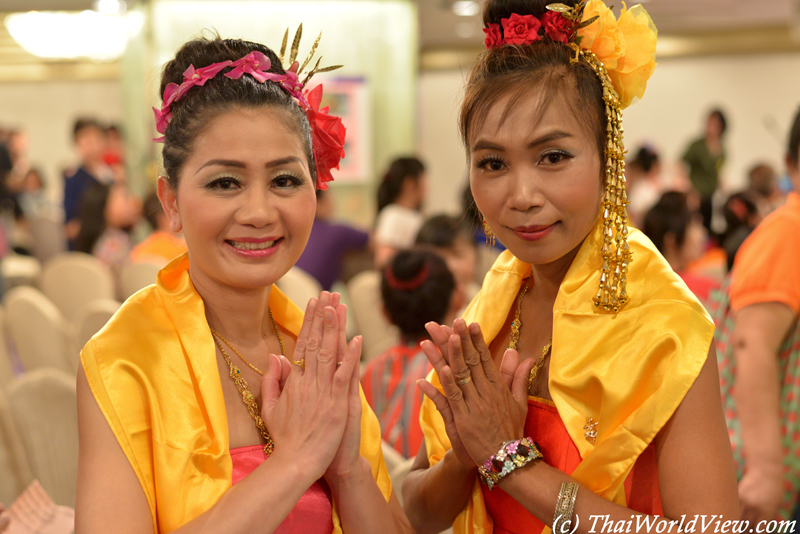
point(313, 513)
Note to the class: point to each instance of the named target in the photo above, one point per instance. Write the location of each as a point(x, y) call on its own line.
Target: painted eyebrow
point(240, 165)
point(482, 144)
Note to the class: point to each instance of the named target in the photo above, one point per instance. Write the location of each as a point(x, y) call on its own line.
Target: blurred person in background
point(33, 196)
point(417, 287)
point(329, 243)
point(679, 235)
point(114, 154)
point(643, 180)
point(758, 344)
point(451, 238)
point(90, 143)
point(107, 214)
point(742, 215)
point(162, 245)
point(762, 187)
point(8, 194)
point(704, 158)
point(400, 197)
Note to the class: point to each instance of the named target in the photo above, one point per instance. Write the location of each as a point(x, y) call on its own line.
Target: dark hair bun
point(496, 10)
point(203, 52)
point(427, 297)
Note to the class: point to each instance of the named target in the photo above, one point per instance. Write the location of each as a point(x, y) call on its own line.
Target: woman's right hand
point(464, 348)
point(306, 417)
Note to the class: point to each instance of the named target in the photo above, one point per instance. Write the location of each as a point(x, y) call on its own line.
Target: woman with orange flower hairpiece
point(580, 390)
point(210, 402)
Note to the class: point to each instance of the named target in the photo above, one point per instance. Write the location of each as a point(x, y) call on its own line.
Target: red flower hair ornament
point(327, 131)
point(527, 29)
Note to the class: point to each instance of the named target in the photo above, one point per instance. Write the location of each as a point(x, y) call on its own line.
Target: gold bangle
point(562, 520)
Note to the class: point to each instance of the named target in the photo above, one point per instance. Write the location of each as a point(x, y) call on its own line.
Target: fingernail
point(328, 315)
point(474, 328)
point(461, 325)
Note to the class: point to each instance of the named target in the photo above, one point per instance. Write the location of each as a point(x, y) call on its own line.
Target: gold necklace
point(241, 384)
point(277, 333)
point(516, 324)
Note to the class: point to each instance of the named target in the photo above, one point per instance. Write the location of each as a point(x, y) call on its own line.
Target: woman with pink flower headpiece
point(579, 393)
point(210, 402)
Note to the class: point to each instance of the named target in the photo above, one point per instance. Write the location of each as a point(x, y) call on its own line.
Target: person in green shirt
point(704, 158)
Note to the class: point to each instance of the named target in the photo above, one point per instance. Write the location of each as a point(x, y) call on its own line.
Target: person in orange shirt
point(162, 245)
point(760, 366)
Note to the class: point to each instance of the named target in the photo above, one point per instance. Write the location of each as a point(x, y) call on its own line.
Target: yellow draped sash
point(628, 371)
point(153, 371)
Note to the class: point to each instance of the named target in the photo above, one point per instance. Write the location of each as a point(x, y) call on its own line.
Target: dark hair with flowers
point(247, 66)
point(527, 29)
point(509, 67)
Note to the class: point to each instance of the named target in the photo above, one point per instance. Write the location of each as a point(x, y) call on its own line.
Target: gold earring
point(491, 239)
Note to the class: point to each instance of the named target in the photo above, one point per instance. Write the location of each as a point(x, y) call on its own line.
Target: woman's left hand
point(348, 457)
point(488, 405)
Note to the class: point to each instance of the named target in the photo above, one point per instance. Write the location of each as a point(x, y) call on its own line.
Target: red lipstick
point(533, 233)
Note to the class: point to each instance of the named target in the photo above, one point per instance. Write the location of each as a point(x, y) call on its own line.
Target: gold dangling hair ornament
point(612, 293)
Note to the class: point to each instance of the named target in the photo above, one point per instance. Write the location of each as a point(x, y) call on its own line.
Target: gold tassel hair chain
point(612, 293)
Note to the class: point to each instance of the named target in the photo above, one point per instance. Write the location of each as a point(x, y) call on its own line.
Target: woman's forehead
point(526, 114)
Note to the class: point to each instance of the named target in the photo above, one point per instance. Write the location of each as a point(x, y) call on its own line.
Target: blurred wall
point(758, 93)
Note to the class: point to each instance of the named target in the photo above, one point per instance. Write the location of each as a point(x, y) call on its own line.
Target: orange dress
point(544, 426)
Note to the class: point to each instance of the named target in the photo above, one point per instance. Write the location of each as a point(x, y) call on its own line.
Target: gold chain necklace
point(241, 384)
point(516, 324)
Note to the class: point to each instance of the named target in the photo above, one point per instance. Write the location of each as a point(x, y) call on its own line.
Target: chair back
point(18, 270)
point(299, 286)
point(43, 406)
point(13, 460)
point(366, 304)
point(93, 317)
point(73, 279)
point(136, 276)
point(6, 368)
point(49, 237)
point(41, 335)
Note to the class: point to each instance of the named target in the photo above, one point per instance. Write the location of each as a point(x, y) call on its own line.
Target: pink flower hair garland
point(327, 131)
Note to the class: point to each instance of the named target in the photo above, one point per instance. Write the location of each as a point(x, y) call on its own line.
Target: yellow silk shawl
point(153, 371)
point(627, 371)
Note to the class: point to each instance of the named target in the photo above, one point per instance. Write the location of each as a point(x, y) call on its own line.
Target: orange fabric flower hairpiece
point(626, 46)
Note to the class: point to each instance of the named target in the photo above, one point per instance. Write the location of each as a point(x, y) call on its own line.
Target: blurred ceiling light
point(466, 8)
point(112, 7)
point(62, 35)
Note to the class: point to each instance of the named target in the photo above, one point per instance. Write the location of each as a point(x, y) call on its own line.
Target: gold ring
point(464, 380)
point(300, 363)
